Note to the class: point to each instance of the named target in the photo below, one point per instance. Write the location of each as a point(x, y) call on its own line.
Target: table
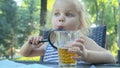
point(79, 65)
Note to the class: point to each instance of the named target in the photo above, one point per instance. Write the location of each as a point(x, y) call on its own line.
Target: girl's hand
point(79, 48)
point(35, 41)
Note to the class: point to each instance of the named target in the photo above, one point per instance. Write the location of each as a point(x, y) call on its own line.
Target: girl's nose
point(61, 20)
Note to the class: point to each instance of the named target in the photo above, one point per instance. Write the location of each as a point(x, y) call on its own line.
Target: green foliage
point(7, 23)
point(17, 23)
point(105, 12)
point(2, 50)
point(28, 19)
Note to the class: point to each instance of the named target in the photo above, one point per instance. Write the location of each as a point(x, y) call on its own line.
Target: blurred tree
point(105, 12)
point(17, 23)
point(7, 24)
point(43, 13)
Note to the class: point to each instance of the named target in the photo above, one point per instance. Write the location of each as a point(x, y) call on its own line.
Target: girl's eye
point(69, 14)
point(57, 14)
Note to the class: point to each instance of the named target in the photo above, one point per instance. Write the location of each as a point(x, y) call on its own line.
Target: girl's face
point(65, 15)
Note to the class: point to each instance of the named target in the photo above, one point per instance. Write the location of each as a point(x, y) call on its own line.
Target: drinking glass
point(64, 39)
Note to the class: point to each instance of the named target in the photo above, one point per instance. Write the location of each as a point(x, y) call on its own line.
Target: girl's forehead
point(64, 5)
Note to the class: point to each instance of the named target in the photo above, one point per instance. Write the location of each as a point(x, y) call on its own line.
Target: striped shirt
point(51, 54)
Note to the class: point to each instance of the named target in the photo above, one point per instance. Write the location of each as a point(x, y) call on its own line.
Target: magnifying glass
point(51, 37)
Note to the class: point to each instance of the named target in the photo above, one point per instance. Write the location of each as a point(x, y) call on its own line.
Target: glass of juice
point(64, 40)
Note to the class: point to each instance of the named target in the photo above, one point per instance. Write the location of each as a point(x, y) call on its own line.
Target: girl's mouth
point(60, 27)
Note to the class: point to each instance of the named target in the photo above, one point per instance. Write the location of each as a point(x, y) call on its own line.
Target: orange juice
point(65, 56)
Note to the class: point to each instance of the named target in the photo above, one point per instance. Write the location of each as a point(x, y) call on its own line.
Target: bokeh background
point(22, 18)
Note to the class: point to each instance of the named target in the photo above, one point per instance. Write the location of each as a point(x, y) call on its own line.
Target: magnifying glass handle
point(44, 40)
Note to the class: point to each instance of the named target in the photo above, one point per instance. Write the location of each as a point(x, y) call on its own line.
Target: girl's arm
point(89, 51)
point(34, 49)
point(99, 57)
point(97, 54)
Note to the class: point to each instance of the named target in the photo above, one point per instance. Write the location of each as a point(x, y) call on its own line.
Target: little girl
point(70, 15)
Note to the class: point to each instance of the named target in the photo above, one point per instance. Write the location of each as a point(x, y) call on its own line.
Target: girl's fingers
point(79, 48)
point(80, 40)
point(30, 40)
point(79, 45)
point(37, 46)
point(76, 50)
point(77, 58)
point(35, 41)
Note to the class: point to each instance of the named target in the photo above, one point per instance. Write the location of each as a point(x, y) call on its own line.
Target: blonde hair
point(83, 17)
point(82, 14)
